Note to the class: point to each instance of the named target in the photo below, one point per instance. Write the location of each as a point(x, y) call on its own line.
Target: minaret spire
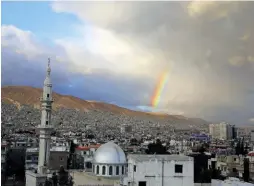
point(45, 126)
point(49, 69)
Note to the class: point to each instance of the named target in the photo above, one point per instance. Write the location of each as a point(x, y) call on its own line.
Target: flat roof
point(146, 157)
point(32, 150)
point(52, 149)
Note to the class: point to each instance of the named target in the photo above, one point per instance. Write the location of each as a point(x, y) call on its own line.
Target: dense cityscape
point(104, 148)
point(127, 93)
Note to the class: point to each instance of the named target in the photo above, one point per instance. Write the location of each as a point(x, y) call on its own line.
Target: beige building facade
point(222, 131)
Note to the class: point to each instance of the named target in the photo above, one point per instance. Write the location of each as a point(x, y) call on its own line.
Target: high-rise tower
point(45, 127)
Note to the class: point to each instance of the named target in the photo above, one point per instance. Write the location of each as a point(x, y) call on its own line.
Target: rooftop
point(58, 149)
point(143, 157)
point(88, 147)
point(32, 150)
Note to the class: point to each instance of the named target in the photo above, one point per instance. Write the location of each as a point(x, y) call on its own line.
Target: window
point(142, 183)
point(97, 169)
point(117, 170)
point(61, 158)
point(28, 158)
point(47, 95)
point(122, 169)
point(103, 170)
point(134, 168)
point(89, 165)
point(110, 170)
point(47, 122)
point(178, 168)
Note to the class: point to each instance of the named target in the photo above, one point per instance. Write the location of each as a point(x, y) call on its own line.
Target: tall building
point(245, 132)
point(45, 127)
point(252, 136)
point(223, 131)
point(38, 177)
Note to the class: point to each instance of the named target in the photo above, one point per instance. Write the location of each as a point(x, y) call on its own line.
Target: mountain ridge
point(26, 95)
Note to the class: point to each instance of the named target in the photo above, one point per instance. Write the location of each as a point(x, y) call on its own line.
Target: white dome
point(109, 153)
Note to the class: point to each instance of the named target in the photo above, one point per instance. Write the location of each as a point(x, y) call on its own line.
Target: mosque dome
point(109, 153)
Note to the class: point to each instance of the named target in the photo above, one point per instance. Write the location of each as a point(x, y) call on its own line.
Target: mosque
point(109, 164)
point(109, 161)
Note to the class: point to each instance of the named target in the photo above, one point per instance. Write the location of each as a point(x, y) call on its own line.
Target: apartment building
point(222, 131)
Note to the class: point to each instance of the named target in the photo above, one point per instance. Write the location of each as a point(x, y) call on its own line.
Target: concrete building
point(245, 132)
point(4, 151)
point(230, 181)
point(58, 157)
point(163, 170)
point(252, 136)
point(200, 137)
point(31, 162)
point(222, 131)
point(227, 163)
point(126, 128)
point(87, 154)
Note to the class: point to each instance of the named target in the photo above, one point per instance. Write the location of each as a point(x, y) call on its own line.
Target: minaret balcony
point(46, 99)
point(46, 127)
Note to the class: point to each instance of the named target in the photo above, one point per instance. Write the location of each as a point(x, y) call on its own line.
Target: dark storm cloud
point(101, 85)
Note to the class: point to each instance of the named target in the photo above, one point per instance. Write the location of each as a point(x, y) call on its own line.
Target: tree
point(238, 148)
point(242, 148)
point(63, 177)
point(156, 148)
point(72, 147)
point(133, 141)
point(90, 136)
point(206, 176)
point(16, 163)
point(71, 159)
point(54, 179)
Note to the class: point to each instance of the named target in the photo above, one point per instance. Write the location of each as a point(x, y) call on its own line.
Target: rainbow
point(159, 88)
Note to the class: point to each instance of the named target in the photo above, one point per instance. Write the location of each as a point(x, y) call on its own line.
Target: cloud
point(206, 46)
point(212, 9)
point(20, 41)
point(251, 59)
point(28, 68)
point(237, 60)
point(198, 8)
point(251, 120)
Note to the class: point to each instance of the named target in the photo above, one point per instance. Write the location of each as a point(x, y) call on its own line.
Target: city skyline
point(117, 52)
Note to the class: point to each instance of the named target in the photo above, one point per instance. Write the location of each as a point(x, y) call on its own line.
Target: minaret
point(45, 127)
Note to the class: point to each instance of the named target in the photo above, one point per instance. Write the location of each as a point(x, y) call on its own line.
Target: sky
point(117, 52)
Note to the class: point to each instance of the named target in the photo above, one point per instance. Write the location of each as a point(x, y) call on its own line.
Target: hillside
point(23, 95)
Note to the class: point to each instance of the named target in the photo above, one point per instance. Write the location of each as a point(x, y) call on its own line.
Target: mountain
point(24, 95)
